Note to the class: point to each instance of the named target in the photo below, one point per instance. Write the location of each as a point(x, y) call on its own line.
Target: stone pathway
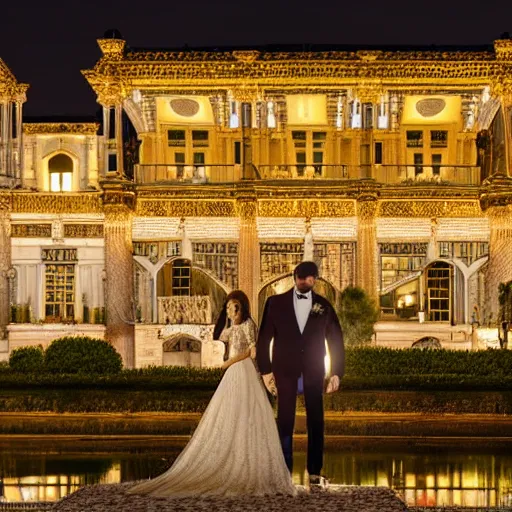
point(110, 498)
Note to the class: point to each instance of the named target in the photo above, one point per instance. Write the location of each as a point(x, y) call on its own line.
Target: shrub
point(366, 361)
point(27, 359)
point(82, 355)
point(357, 315)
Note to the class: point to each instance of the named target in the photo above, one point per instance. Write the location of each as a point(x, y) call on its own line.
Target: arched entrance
point(60, 168)
point(182, 350)
point(187, 294)
point(285, 282)
point(439, 292)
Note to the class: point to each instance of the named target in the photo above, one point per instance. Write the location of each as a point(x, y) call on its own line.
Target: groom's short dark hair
point(305, 269)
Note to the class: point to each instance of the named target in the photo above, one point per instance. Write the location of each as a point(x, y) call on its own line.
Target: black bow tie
point(300, 296)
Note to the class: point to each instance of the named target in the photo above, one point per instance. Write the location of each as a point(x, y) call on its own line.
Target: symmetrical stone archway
point(284, 282)
point(181, 349)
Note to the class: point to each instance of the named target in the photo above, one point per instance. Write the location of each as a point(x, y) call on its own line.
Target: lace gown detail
point(235, 449)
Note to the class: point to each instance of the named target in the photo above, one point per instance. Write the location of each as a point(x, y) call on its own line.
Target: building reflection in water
point(421, 479)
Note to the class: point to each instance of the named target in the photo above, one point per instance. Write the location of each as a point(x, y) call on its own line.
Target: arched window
point(60, 168)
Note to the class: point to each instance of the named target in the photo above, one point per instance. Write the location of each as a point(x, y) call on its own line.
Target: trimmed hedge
point(104, 401)
point(27, 359)
point(84, 355)
point(386, 361)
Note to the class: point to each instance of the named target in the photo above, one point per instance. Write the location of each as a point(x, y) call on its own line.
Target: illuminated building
point(391, 166)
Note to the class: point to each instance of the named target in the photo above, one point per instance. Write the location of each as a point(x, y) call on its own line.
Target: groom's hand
point(270, 383)
point(333, 384)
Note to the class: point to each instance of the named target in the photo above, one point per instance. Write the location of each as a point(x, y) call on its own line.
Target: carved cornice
point(61, 128)
point(10, 88)
point(33, 202)
point(185, 208)
point(430, 209)
point(306, 208)
point(118, 193)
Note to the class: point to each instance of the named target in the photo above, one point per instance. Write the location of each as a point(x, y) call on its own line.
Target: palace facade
point(220, 169)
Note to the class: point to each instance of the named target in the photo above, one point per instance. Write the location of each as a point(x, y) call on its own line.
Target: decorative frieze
point(184, 208)
point(31, 230)
point(56, 203)
point(305, 208)
point(424, 208)
point(83, 230)
point(61, 128)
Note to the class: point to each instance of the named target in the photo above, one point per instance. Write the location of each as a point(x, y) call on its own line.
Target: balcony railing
point(304, 171)
point(202, 173)
point(387, 174)
point(450, 174)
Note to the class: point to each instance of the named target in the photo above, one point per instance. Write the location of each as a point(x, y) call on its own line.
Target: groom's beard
point(304, 288)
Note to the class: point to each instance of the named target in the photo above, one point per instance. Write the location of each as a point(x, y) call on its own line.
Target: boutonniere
point(317, 309)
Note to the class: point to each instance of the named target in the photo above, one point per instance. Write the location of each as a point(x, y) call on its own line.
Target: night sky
point(46, 44)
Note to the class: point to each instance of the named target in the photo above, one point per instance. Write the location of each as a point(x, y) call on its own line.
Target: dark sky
point(47, 43)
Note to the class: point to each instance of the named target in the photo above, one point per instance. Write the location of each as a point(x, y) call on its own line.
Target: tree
point(358, 313)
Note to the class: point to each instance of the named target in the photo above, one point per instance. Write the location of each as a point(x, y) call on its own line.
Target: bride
point(235, 449)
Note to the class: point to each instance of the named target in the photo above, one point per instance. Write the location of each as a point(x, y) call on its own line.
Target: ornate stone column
point(248, 250)
point(496, 202)
point(5, 261)
point(367, 263)
point(119, 201)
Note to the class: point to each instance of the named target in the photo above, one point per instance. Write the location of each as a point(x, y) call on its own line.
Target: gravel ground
point(106, 498)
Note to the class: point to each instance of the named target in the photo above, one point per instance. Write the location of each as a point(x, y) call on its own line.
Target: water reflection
point(438, 477)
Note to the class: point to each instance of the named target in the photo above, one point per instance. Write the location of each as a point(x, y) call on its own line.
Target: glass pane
point(55, 182)
point(67, 178)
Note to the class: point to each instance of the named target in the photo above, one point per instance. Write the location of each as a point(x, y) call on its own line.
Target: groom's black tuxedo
point(295, 354)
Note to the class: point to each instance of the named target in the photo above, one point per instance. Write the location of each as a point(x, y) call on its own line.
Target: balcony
point(441, 174)
point(386, 174)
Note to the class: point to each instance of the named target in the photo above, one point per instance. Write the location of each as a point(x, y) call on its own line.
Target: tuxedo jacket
point(294, 352)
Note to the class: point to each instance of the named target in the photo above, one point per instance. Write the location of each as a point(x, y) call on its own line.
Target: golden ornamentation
point(5, 266)
point(503, 49)
point(425, 208)
point(306, 208)
point(31, 230)
point(184, 208)
point(112, 48)
point(58, 128)
point(5, 202)
point(246, 209)
point(56, 203)
point(83, 230)
point(370, 55)
point(367, 209)
point(246, 56)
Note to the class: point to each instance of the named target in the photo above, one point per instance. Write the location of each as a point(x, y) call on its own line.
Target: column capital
point(496, 191)
point(118, 193)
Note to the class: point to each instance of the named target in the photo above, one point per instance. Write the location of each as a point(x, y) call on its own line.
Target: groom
point(300, 321)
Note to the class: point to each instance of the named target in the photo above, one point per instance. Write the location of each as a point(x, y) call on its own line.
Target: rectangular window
point(300, 157)
point(238, 152)
point(299, 139)
point(199, 138)
point(198, 158)
point(438, 139)
point(61, 181)
point(418, 163)
point(378, 152)
point(319, 140)
point(112, 162)
point(181, 277)
point(176, 138)
point(436, 164)
point(368, 116)
point(60, 292)
point(414, 139)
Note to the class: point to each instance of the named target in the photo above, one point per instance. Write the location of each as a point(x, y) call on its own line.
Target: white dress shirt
point(302, 308)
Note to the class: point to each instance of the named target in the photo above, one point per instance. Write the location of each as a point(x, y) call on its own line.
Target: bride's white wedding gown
point(235, 449)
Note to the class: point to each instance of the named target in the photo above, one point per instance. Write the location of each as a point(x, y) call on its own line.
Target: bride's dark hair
point(240, 297)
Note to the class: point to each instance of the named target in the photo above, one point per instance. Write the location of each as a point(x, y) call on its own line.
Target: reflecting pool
point(463, 473)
